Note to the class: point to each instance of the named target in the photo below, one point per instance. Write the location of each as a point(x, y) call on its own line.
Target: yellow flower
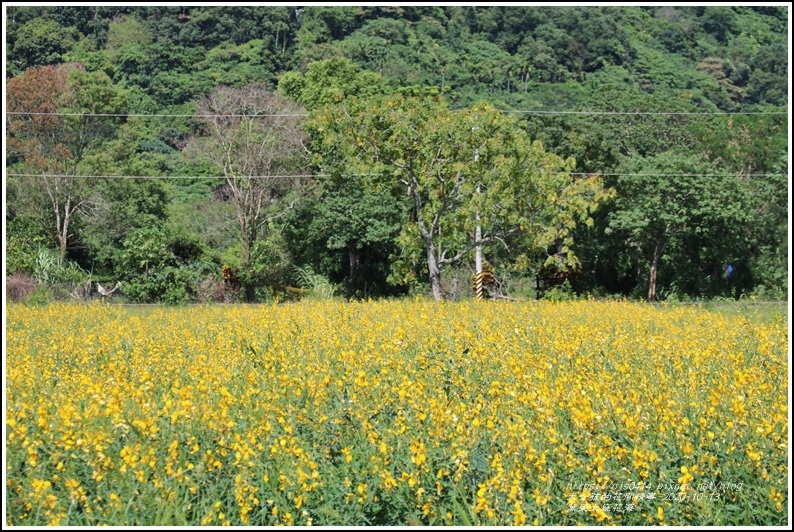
point(686, 476)
point(519, 517)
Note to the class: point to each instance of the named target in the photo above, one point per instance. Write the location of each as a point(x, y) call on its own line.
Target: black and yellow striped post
point(478, 278)
point(483, 279)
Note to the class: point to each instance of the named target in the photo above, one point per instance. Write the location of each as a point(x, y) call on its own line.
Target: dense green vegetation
point(132, 88)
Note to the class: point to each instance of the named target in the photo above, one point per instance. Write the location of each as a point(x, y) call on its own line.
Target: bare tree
point(255, 138)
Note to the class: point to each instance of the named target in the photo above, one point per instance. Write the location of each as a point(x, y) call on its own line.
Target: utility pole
point(478, 247)
point(478, 295)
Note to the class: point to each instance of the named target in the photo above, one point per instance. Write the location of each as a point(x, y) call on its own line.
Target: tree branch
point(473, 245)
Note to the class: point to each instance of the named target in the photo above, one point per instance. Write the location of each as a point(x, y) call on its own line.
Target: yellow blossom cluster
point(394, 412)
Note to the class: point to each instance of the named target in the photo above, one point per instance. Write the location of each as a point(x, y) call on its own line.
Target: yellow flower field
point(403, 412)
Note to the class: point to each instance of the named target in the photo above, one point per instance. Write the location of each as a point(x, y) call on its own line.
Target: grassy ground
point(755, 311)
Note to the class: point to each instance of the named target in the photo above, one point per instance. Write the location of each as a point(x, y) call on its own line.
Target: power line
point(116, 115)
point(595, 174)
point(174, 176)
point(278, 115)
point(646, 113)
point(674, 175)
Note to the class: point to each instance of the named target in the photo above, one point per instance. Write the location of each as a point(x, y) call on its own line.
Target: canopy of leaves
point(160, 60)
point(460, 169)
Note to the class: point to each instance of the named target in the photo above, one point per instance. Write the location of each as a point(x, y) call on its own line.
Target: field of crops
point(406, 412)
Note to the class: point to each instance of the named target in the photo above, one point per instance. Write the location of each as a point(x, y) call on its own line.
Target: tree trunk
point(435, 273)
point(62, 242)
point(250, 294)
point(654, 265)
point(64, 236)
point(354, 259)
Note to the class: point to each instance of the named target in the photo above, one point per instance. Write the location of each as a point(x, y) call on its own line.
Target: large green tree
point(42, 41)
point(667, 201)
point(350, 229)
point(330, 81)
point(472, 176)
point(126, 31)
point(347, 232)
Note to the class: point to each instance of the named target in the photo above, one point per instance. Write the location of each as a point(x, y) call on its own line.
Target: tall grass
point(319, 287)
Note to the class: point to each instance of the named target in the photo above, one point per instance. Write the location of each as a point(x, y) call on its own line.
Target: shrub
point(19, 287)
point(169, 285)
point(211, 290)
point(41, 295)
point(20, 254)
point(563, 292)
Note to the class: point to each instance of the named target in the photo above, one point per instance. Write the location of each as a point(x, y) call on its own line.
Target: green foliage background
point(158, 60)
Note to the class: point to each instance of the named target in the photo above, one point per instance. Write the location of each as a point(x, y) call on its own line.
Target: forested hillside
point(259, 153)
